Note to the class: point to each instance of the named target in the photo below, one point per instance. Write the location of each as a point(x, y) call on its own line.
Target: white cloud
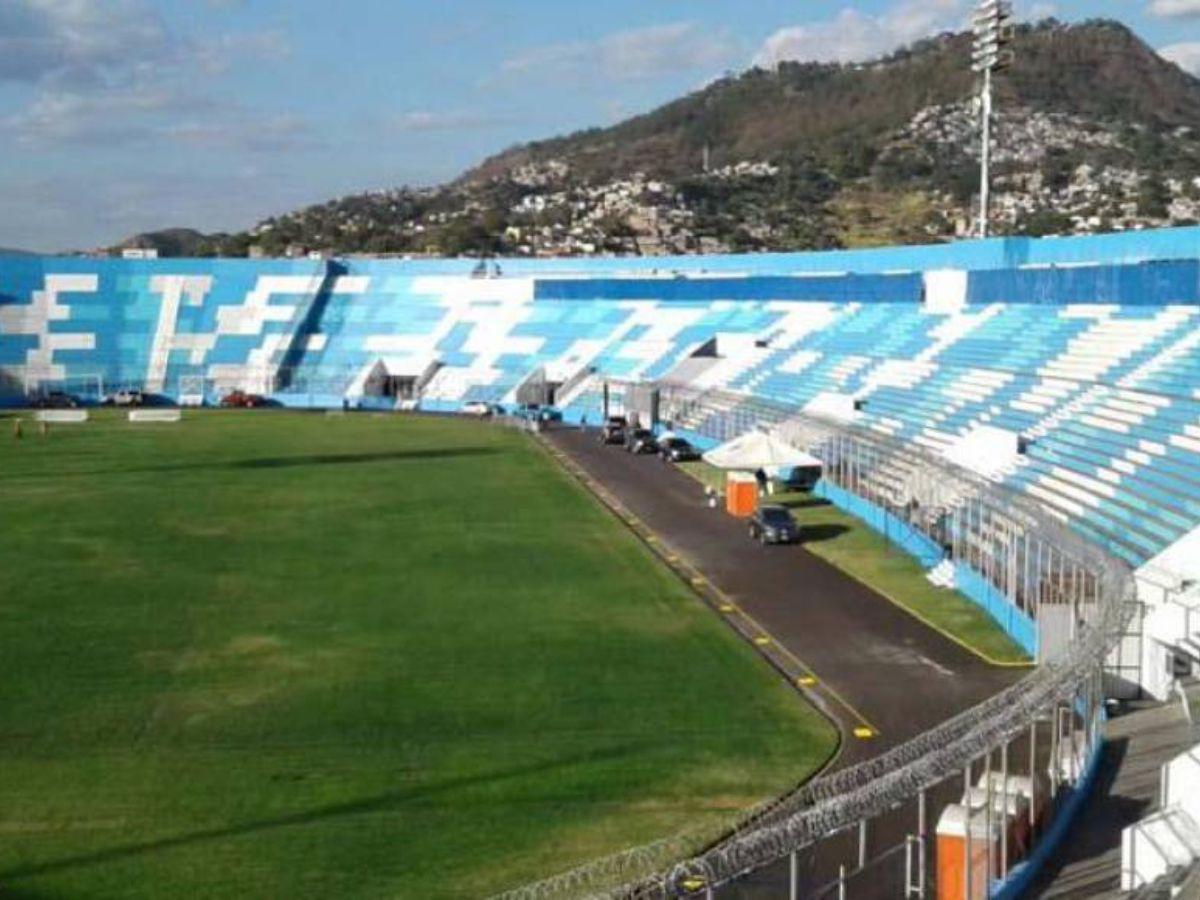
point(79, 42)
point(229, 50)
point(1186, 55)
point(240, 129)
point(853, 36)
point(424, 120)
point(109, 117)
point(158, 117)
point(68, 212)
point(1175, 9)
point(110, 72)
point(1038, 11)
point(631, 55)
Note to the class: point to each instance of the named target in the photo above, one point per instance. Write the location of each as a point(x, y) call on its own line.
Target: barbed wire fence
point(1081, 598)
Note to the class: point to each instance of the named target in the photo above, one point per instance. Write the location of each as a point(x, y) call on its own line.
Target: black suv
point(641, 440)
point(675, 449)
point(613, 430)
point(56, 400)
point(773, 524)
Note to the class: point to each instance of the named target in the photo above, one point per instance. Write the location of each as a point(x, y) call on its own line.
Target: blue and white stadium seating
point(1088, 348)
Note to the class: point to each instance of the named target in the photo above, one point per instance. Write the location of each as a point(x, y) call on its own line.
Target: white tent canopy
point(759, 450)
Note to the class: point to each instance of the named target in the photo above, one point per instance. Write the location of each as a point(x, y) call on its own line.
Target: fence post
point(970, 866)
point(862, 844)
point(1004, 807)
point(922, 850)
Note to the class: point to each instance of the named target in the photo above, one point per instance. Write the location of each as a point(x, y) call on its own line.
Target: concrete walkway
point(1139, 742)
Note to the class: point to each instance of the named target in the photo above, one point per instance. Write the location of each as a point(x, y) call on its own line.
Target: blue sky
point(128, 115)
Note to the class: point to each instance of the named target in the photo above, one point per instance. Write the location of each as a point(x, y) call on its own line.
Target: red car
point(242, 400)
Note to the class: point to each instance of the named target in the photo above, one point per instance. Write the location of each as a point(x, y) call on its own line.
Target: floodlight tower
point(989, 54)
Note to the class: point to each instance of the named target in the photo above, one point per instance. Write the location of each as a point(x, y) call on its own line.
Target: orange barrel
point(953, 867)
point(741, 495)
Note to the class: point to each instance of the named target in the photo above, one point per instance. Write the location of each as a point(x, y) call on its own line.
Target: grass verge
point(845, 542)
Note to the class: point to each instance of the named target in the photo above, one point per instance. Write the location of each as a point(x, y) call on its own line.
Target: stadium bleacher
point(1094, 362)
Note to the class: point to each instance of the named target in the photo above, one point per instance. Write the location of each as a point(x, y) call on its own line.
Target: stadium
point(358, 643)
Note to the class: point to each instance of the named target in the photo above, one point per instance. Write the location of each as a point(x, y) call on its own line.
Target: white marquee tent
point(759, 450)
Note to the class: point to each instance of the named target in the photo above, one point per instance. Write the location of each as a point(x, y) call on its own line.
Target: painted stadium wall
point(311, 327)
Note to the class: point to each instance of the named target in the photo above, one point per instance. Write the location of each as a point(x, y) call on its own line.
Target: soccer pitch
point(268, 654)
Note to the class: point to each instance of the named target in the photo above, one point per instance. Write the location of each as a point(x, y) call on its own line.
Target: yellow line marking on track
point(864, 731)
point(864, 723)
point(806, 681)
point(762, 640)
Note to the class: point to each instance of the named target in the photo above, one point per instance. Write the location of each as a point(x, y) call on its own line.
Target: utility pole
point(989, 54)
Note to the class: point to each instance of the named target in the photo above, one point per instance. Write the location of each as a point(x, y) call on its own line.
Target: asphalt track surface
point(876, 669)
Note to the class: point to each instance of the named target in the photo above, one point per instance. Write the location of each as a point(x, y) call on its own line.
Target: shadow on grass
point(274, 462)
point(815, 534)
point(379, 803)
point(349, 459)
point(805, 503)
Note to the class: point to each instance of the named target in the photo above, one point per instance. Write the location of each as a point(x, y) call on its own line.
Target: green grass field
point(866, 555)
point(286, 655)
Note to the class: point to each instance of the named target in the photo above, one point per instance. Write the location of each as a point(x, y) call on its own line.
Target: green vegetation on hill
point(839, 115)
point(1088, 95)
point(287, 655)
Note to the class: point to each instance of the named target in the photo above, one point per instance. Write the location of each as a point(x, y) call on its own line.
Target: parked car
point(537, 413)
point(641, 440)
point(125, 398)
point(613, 430)
point(56, 400)
point(478, 408)
point(801, 478)
point(242, 400)
point(676, 449)
point(772, 524)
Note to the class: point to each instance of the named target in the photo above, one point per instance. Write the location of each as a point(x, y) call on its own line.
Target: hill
point(175, 242)
point(842, 116)
point(1095, 132)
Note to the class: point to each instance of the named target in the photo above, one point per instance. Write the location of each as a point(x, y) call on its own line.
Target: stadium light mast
point(990, 53)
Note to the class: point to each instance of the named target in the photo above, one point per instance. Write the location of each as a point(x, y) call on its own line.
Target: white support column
point(985, 173)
